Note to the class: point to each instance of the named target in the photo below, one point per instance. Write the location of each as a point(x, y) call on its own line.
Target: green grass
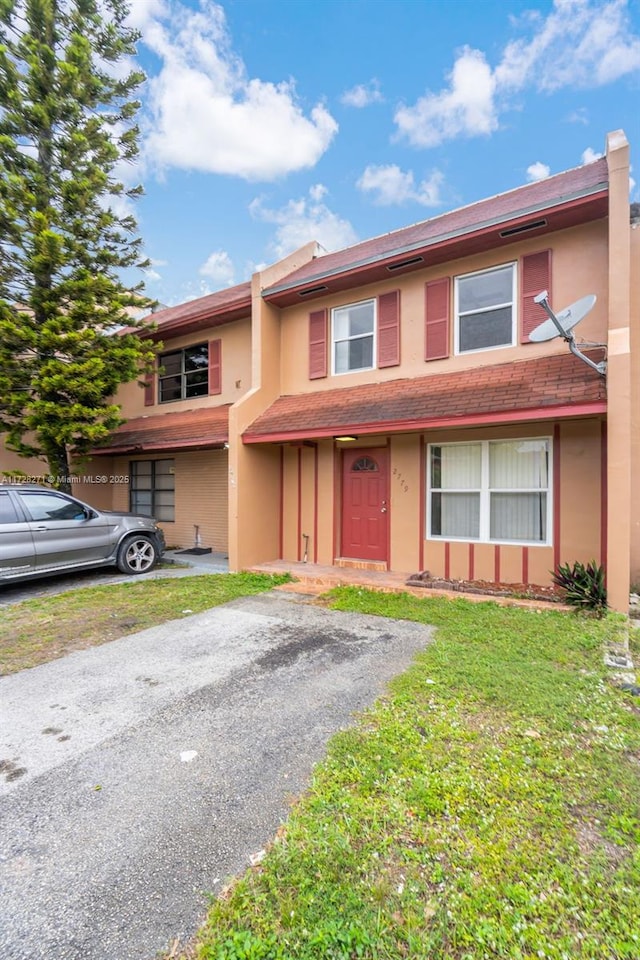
point(45, 628)
point(487, 807)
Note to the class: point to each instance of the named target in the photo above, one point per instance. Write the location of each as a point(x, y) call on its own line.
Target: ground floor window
point(492, 491)
point(153, 489)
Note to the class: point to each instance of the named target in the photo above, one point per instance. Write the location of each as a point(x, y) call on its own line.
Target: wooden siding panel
point(215, 366)
point(389, 329)
point(317, 344)
point(437, 311)
point(535, 276)
point(149, 389)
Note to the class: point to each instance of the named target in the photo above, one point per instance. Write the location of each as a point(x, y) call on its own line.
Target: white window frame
point(360, 336)
point(514, 303)
point(485, 492)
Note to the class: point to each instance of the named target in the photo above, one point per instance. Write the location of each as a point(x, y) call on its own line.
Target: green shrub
point(584, 586)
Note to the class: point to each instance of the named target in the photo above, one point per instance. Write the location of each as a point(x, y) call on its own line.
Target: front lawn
point(45, 628)
point(488, 807)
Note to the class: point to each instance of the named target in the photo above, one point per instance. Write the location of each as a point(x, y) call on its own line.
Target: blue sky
point(269, 123)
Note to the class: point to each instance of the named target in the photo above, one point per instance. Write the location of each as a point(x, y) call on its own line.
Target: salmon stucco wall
point(201, 497)
point(11, 463)
point(579, 266)
point(255, 475)
point(308, 497)
point(619, 375)
point(236, 372)
point(578, 524)
point(405, 502)
point(635, 405)
point(576, 484)
point(311, 504)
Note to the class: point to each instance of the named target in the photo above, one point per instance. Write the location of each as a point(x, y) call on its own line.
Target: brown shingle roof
point(187, 429)
point(525, 390)
point(581, 181)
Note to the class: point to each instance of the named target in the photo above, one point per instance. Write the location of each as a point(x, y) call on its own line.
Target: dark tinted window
point(184, 373)
point(51, 506)
point(7, 510)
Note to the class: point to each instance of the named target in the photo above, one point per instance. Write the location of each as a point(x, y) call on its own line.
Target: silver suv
point(43, 531)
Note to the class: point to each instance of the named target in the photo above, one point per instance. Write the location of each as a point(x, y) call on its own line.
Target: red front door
point(364, 504)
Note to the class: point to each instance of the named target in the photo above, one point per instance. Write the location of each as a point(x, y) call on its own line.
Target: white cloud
point(208, 115)
point(537, 171)
point(465, 108)
point(219, 268)
point(143, 12)
point(193, 291)
point(581, 43)
point(589, 155)
point(362, 95)
point(300, 221)
point(318, 191)
point(390, 185)
point(580, 115)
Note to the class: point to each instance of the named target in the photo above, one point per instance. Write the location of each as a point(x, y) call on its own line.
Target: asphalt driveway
point(138, 776)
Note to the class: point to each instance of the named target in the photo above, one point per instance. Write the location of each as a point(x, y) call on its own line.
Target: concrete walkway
point(153, 768)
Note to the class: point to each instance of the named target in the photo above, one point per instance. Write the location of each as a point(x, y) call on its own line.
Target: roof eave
point(201, 321)
point(592, 193)
point(160, 446)
point(551, 412)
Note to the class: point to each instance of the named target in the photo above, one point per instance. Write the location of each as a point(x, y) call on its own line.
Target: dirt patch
point(520, 591)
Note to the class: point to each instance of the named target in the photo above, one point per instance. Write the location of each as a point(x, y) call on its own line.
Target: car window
point(7, 510)
point(51, 506)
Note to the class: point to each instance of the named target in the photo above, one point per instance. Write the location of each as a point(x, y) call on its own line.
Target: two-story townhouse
point(410, 422)
point(170, 455)
point(170, 458)
point(384, 405)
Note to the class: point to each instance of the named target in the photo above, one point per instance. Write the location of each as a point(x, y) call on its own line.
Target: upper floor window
point(485, 312)
point(353, 334)
point(184, 374)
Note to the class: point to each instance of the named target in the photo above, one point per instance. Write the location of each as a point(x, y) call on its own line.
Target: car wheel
point(137, 554)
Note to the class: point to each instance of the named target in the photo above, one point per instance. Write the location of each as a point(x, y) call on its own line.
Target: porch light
point(345, 439)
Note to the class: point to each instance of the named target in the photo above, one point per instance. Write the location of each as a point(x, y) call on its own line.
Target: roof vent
point(533, 225)
point(312, 290)
point(405, 263)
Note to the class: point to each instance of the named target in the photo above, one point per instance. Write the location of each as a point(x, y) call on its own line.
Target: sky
point(269, 123)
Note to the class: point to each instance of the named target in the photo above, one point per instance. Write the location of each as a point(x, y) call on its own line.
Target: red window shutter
point(389, 329)
point(437, 298)
point(317, 344)
point(215, 366)
point(535, 276)
point(149, 389)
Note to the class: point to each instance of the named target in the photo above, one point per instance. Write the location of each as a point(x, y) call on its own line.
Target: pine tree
point(67, 119)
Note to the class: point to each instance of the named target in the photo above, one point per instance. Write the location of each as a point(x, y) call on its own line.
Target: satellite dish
point(562, 326)
point(567, 319)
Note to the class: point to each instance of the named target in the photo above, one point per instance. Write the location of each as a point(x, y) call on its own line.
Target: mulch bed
point(527, 591)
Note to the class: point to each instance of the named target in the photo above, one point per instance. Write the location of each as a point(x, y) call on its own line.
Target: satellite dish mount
point(562, 326)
